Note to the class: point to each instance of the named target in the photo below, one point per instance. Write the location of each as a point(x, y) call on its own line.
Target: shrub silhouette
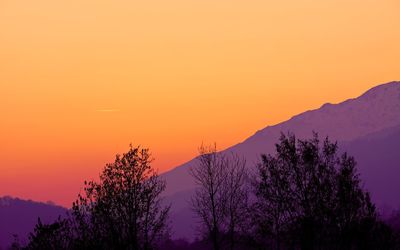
point(57, 235)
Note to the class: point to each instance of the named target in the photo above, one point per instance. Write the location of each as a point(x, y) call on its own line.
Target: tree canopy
point(123, 210)
point(310, 196)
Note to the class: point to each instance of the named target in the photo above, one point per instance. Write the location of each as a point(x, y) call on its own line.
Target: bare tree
point(220, 200)
point(236, 191)
point(209, 199)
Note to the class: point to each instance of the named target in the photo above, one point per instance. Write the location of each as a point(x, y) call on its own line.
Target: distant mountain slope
point(378, 161)
point(375, 111)
point(20, 216)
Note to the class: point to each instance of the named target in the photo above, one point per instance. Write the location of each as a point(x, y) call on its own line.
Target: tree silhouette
point(124, 209)
point(310, 197)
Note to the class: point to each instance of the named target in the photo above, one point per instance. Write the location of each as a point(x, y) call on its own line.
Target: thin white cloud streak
point(107, 110)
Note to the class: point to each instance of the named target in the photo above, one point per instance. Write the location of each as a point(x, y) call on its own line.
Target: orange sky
point(81, 79)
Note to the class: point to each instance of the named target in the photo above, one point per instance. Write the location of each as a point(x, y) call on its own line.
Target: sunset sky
point(82, 79)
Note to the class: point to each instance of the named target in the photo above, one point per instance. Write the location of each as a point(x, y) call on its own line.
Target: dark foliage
point(121, 211)
point(306, 196)
point(309, 197)
point(57, 235)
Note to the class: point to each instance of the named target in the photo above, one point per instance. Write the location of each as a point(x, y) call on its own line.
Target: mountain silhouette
point(368, 127)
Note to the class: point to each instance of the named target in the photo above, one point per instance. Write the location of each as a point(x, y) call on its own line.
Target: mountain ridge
point(358, 110)
point(375, 112)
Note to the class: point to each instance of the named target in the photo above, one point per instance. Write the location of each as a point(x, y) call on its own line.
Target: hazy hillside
point(378, 158)
point(20, 216)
